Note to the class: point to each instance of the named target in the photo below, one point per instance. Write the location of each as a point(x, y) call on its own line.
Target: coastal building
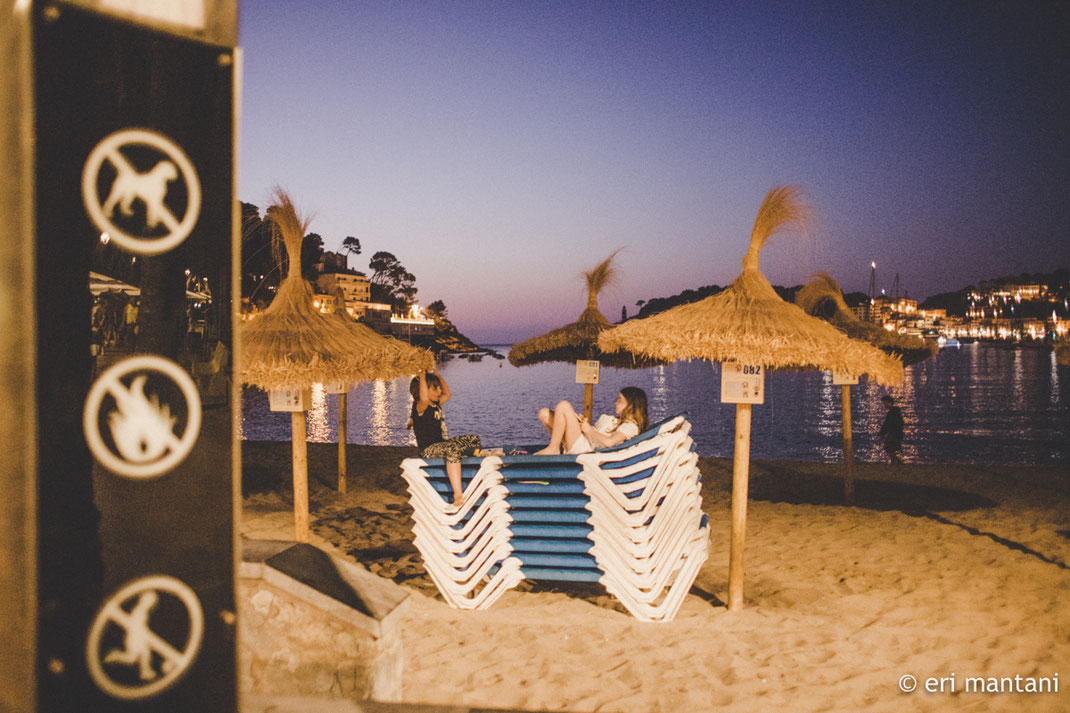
point(1016, 292)
point(412, 323)
point(332, 262)
point(352, 285)
point(892, 313)
point(326, 303)
point(377, 316)
point(861, 311)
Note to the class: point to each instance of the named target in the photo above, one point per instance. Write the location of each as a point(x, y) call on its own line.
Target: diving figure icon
point(133, 650)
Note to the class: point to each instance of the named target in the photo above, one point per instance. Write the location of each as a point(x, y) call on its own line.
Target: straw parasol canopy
point(579, 340)
point(749, 323)
point(822, 297)
point(292, 344)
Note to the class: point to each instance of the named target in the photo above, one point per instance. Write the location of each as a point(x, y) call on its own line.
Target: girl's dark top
point(428, 427)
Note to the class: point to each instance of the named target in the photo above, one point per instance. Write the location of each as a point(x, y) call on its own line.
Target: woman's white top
point(605, 424)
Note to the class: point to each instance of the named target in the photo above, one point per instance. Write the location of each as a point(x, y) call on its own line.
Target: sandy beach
point(960, 573)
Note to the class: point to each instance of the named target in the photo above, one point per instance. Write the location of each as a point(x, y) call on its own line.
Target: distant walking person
point(892, 430)
point(130, 324)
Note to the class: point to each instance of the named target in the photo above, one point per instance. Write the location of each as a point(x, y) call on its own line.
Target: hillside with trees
point(956, 303)
point(263, 265)
point(447, 336)
point(648, 308)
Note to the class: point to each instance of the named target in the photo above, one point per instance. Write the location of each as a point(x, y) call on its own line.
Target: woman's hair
point(636, 408)
point(414, 385)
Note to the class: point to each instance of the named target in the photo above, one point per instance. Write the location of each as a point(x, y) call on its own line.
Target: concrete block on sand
point(315, 625)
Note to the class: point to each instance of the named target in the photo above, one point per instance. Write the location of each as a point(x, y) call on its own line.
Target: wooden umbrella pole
point(588, 401)
point(848, 448)
point(740, 475)
point(342, 424)
point(300, 468)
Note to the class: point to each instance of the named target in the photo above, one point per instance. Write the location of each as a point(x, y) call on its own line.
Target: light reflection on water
point(830, 421)
point(318, 429)
point(976, 404)
point(1055, 394)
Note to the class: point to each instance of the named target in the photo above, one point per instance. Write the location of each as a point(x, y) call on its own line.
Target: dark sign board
point(134, 221)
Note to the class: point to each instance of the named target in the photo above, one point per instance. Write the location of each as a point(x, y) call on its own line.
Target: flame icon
point(143, 430)
point(143, 442)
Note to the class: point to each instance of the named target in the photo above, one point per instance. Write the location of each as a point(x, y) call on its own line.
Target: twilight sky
point(499, 148)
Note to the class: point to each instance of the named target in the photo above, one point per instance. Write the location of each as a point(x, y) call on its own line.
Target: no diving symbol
point(129, 421)
point(145, 637)
point(138, 208)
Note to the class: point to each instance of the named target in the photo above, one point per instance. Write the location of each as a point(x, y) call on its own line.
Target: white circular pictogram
point(143, 441)
point(127, 658)
point(149, 187)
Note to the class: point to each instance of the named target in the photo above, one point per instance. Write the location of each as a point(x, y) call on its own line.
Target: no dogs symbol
point(145, 637)
point(140, 188)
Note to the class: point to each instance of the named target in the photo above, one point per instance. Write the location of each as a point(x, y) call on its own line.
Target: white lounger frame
point(648, 548)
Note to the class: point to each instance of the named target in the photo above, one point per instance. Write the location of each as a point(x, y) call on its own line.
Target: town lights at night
point(415, 315)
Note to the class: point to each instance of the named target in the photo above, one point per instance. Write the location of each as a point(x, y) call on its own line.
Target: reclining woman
point(567, 428)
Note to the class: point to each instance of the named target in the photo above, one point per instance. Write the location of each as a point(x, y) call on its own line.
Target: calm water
point(977, 404)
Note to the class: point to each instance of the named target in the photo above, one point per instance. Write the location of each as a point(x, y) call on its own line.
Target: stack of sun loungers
point(629, 517)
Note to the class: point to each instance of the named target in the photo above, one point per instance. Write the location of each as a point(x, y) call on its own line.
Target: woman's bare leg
point(565, 429)
point(546, 418)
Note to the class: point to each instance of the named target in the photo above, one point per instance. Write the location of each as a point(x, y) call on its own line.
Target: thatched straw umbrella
point(822, 297)
point(579, 340)
point(748, 323)
point(291, 344)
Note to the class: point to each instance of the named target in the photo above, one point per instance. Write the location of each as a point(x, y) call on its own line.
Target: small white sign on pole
point(742, 383)
point(290, 399)
point(336, 387)
point(841, 378)
point(587, 371)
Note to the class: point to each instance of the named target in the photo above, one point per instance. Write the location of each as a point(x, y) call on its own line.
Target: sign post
point(587, 373)
point(342, 389)
point(743, 385)
point(119, 556)
point(18, 404)
point(845, 381)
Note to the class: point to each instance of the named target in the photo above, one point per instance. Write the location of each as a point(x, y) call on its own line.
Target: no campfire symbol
point(133, 411)
point(145, 637)
point(151, 194)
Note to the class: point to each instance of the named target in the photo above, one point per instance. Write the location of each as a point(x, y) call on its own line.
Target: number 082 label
point(742, 383)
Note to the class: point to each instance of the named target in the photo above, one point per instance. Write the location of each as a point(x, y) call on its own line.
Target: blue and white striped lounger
point(629, 517)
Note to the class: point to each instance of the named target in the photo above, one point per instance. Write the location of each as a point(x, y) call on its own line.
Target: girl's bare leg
point(453, 472)
point(546, 418)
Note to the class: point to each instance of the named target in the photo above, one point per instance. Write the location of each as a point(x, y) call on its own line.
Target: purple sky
point(499, 148)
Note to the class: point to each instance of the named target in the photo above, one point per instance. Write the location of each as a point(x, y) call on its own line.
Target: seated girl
point(577, 435)
point(429, 391)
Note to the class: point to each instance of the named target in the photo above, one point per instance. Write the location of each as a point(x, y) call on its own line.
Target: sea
point(978, 403)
